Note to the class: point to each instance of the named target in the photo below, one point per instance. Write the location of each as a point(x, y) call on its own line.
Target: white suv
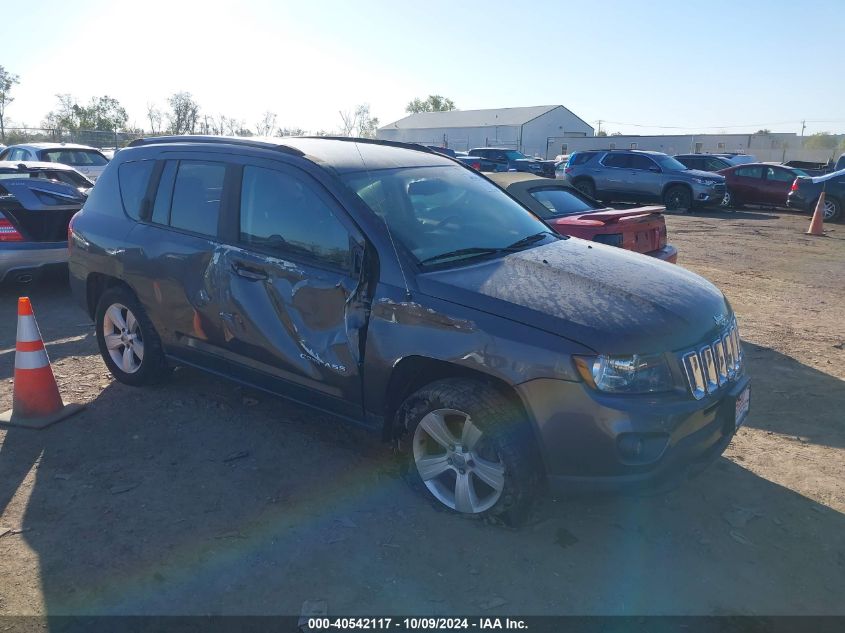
point(86, 160)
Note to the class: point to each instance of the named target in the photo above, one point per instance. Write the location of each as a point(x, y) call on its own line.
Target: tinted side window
point(580, 158)
point(615, 160)
point(714, 165)
point(779, 175)
point(196, 196)
point(282, 213)
point(638, 161)
point(750, 172)
point(133, 178)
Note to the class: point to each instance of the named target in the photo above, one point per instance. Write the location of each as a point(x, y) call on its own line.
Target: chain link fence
point(102, 139)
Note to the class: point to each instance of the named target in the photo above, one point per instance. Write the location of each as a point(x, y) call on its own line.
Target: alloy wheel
point(122, 335)
point(829, 209)
point(456, 463)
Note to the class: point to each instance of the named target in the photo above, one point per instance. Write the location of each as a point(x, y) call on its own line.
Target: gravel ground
point(200, 497)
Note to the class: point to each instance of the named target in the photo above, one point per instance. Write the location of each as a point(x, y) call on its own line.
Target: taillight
point(8, 232)
point(476, 166)
point(794, 185)
point(70, 229)
point(567, 170)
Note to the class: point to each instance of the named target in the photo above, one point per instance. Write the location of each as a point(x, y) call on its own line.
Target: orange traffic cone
point(817, 223)
point(36, 402)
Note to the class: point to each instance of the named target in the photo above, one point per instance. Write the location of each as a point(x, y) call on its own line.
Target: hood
point(700, 173)
point(534, 160)
point(609, 299)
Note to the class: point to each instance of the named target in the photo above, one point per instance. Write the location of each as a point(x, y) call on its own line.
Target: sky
point(642, 67)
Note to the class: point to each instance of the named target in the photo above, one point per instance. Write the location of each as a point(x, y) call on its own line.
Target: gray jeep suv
point(401, 290)
point(633, 175)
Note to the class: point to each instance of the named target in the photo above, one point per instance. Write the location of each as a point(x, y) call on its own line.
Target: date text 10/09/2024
point(415, 624)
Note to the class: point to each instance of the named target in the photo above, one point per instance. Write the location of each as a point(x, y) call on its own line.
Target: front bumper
point(703, 195)
point(18, 258)
point(581, 434)
point(668, 254)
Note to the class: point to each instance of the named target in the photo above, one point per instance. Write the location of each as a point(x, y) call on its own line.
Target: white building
point(536, 131)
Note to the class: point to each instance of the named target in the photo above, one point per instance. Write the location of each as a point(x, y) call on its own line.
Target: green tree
point(184, 113)
point(7, 82)
point(821, 140)
point(102, 113)
point(433, 103)
point(601, 133)
point(764, 131)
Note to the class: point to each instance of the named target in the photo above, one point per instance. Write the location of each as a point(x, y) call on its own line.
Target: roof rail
point(227, 140)
point(376, 141)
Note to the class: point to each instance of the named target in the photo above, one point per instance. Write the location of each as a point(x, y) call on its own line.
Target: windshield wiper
point(473, 250)
point(482, 250)
point(525, 241)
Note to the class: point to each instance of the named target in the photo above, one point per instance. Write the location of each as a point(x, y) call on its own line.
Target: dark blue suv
point(399, 289)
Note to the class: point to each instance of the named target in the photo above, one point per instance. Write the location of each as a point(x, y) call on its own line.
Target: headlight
point(626, 374)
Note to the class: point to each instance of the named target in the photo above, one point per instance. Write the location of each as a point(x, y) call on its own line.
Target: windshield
point(667, 163)
point(74, 157)
point(433, 211)
point(514, 155)
point(561, 201)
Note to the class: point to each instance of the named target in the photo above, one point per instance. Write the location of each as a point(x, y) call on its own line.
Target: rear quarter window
point(580, 158)
point(133, 178)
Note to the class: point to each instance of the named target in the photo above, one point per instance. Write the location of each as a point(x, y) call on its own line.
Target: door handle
point(247, 272)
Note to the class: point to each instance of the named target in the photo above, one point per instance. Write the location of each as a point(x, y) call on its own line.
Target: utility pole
point(598, 132)
point(803, 126)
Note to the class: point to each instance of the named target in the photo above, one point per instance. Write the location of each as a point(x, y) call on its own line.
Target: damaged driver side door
point(294, 309)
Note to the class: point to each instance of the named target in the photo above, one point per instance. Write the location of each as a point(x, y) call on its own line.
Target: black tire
point(506, 440)
point(677, 198)
point(586, 186)
point(152, 367)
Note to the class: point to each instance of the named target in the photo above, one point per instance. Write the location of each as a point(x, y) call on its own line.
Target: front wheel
point(472, 450)
point(129, 344)
point(677, 198)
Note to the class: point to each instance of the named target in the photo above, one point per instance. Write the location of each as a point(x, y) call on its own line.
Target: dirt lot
point(198, 497)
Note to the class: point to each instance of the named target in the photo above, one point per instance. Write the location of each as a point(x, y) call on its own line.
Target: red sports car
point(570, 212)
point(758, 183)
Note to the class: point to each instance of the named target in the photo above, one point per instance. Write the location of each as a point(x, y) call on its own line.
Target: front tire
point(677, 198)
point(471, 450)
point(128, 342)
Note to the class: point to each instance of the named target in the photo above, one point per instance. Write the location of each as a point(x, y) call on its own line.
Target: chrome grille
point(713, 365)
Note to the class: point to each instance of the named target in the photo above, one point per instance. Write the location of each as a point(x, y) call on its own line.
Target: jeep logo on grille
point(721, 320)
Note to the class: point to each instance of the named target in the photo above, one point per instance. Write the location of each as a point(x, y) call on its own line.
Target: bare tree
point(184, 113)
point(293, 131)
point(267, 125)
point(7, 82)
point(154, 117)
point(359, 122)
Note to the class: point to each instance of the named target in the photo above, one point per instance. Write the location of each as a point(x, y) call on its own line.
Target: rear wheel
point(677, 198)
point(585, 186)
point(472, 451)
point(832, 209)
point(129, 344)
